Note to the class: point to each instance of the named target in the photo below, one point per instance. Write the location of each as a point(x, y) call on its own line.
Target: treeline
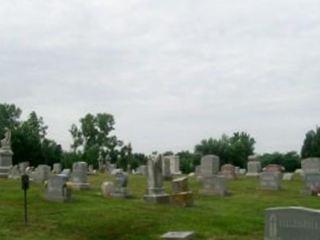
point(93, 138)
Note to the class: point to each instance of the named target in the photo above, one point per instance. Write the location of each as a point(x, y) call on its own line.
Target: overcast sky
point(171, 72)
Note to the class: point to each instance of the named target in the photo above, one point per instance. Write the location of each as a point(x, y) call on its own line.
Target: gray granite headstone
point(210, 165)
point(120, 185)
point(79, 176)
point(14, 172)
point(310, 165)
point(270, 180)
point(57, 190)
point(155, 192)
point(166, 168)
point(215, 185)
point(41, 173)
point(23, 166)
point(178, 235)
point(292, 223)
point(57, 168)
point(253, 166)
point(312, 183)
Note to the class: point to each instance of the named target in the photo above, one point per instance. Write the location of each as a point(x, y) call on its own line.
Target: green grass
point(90, 216)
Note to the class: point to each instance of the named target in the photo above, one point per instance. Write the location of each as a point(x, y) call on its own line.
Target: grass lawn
point(90, 216)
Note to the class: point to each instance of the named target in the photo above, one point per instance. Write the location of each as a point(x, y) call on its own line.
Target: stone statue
point(6, 141)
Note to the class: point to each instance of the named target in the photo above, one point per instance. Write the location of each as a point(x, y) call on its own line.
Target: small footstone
point(178, 235)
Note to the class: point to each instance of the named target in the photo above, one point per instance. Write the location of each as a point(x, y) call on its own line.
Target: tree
point(311, 144)
point(9, 117)
point(235, 149)
point(290, 160)
point(188, 161)
point(94, 137)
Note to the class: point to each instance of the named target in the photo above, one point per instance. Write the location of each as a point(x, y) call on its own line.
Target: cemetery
point(159, 120)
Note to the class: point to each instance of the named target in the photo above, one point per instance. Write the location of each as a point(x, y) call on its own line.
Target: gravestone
point(155, 192)
point(57, 190)
point(57, 167)
point(214, 185)
point(166, 168)
point(175, 165)
point(23, 167)
point(197, 170)
point(270, 181)
point(253, 166)
point(14, 172)
point(274, 168)
point(66, 172)
point(79, 178)
point(181, 195)
point(310, 165)
point(210, 165)
point(287, 176)
point(292, 223)
point(312, 183)
point(142, 169)
point(41, 173)
point(178, 235)
point(120, 185)
point(107, 188)
point(228, 171)
point(5, 154)
point(242, 171)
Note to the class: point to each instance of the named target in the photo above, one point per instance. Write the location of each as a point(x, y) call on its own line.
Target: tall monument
point(5, 154)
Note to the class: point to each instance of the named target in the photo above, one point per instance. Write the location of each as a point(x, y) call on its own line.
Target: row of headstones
point(270, 177)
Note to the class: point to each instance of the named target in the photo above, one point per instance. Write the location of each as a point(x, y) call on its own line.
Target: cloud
point(172, 73)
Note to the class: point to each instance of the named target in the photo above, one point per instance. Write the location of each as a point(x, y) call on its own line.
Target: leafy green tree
point(311, 144)
point(68, 158)
point(234, 150)
point(138, 159)
point(188, 161)
point(290, 160)
point(94, 137)
point(9, 117)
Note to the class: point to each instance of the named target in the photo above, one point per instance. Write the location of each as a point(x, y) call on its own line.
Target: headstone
point(253, 166)
point(66, 172)
point(57, 167)
point(79, 176)
point(312, 183)
point(5, 154)
point(228, 171)
point(270, 181)
point(274, 168)
point(166, 168)
point(181, 196)
point(237, 171)
point(175, 165)
point(210, 165)
point(287, 176)
point(142, 169)
point(57, 190)
point(299, 172)
point(23, 167)
point(242, 171)
point(310, 165)
point(41, 173)
point(155, 192)
point(14, 172)
point(120, 186)
point(178, 235)
point(107, 188)
point(292, 223)
point(197, 170)
point(91, 170)
point(215, 185)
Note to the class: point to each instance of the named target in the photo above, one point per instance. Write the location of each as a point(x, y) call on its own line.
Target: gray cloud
point(172, 72)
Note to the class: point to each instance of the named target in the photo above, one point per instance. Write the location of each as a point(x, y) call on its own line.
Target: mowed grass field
point(90, 216)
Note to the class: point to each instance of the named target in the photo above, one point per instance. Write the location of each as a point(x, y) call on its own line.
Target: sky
point(171, 72)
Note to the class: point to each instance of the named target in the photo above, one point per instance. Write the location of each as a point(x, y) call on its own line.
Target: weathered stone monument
point(210, 165)
point(270, 180)
point(41, 173)
point(120, 185)
point(14, 172)
point(310, 165)
point(178, 235)
point(66, 172)
point(5, 154)
point(287, 176)
point(166, 168)
point(312, 183)
point(292, 223)
point(155, 192)
point(275, 168)
point(253, 166)
point(214, 185)
point(23, 167)
point(181, 196)
point(142, 169)
point(57, 168)
point(57, 189)
point(228, 171)
point(79, 178)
